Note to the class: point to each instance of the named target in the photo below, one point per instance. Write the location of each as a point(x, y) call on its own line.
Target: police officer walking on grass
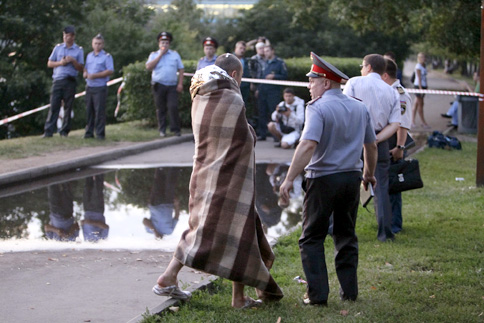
point(67, 59)
point(337, 128)
point(99, 66)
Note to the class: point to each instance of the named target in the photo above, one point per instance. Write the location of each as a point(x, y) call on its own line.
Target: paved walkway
point(115, 286)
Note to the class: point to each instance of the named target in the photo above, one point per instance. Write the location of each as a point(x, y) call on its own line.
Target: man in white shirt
point(287, 120)
point(383, 104)
point(398, 140)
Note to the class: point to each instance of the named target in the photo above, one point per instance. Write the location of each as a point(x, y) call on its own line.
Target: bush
point(139, 105)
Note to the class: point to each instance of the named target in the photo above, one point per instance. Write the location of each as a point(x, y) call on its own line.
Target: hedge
point(138, 101)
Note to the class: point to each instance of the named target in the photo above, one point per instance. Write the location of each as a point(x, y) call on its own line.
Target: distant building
point(216, 8)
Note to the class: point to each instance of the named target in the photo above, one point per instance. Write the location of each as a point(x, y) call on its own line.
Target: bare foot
point(164, 281)
point(239, 302)
point(246, 302)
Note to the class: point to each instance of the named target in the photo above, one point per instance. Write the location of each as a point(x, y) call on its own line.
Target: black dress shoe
point(345, 297)
point(46, 136)
point(306, 301)
point(445, 115)
point(260, 138)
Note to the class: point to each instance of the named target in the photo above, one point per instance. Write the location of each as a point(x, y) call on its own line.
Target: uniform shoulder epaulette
point(59, 44)
point(107, 54)
point(354, 97)
point(400, 90)
point(314, 100)
point(201, 58)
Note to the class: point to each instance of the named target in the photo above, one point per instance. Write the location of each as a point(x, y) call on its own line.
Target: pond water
point(123, 209)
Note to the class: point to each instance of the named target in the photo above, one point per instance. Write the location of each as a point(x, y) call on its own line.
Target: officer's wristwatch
point(401, 147)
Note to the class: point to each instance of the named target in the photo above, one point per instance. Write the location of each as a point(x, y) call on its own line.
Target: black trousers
point(93, 196)
point(62, 90)
point(164, 186)
point(96, 111)
point(166, 99)
point(336, 194)
point(383, 208)
point(267, 103)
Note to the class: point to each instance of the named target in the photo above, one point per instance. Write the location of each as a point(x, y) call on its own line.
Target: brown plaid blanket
point(225, 235)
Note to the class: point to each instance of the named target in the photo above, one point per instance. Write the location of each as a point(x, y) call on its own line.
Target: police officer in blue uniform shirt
point(165, 84)
point(99, 66)
point(210, 46)
point(269, 94)
point(239, 51)
point(67, 59)
point(337, 128)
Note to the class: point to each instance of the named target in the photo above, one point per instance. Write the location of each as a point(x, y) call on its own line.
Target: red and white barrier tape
point(445, 92)
point(260, 81)
point(305, 84)
point(26, 113)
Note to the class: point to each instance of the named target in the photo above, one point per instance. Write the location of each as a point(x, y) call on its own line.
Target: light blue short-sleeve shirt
point(340, 125)
point(165, 72)
point(60, 51)
point(204, 62)
point(98, 63)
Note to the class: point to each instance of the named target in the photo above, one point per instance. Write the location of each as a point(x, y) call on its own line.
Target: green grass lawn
point(433, 272)
point(134, 131)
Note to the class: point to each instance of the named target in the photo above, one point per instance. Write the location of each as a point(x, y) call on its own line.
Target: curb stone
point(93, 159)
point(207, 285)
point(165, 306)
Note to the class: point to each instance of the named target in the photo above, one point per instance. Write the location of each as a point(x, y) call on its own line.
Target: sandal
point(307, 301)
point(251, 303)
point(172, 291)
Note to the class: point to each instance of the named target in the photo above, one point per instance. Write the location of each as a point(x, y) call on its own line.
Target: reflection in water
point(164, 206)
point(125, 208)
point(94, 225)
point(62, 226)
point(266, 198)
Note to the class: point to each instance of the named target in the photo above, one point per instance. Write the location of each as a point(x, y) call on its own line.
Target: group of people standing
point(67, 59)
point(167, 72)
point(283, 119)
point(225, 235)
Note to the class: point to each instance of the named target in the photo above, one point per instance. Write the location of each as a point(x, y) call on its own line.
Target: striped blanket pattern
point(225, 235)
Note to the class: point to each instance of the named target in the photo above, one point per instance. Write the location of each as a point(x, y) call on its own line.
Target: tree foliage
point(351, 28)
point(28, 34)
point(450, 25)
point(297, 27)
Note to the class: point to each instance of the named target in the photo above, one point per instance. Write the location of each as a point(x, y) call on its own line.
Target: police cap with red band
point(209, 41)
point(321, 68)
point(165, 36)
